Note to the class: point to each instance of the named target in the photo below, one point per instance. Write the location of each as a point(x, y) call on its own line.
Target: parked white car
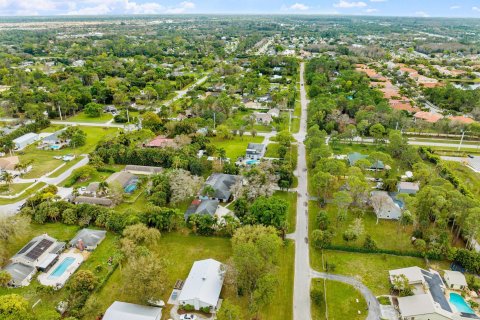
point(188, 316)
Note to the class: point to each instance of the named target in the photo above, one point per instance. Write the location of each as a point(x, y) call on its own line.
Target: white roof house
point(122, 310)
point(408, 187)
point(384, 206)
point(421, 306)
point(25, 140)
point(413, 274)
point(455, 280)
point(203, 285)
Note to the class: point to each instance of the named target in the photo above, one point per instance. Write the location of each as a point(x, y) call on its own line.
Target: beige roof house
point(9, 163)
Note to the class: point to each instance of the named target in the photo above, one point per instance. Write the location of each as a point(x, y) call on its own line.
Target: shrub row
point(445, 171)
point(384, 251)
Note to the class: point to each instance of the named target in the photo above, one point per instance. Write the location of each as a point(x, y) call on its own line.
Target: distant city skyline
point(412, 8)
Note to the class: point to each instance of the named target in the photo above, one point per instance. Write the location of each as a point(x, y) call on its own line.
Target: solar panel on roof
point(39, 249)
point(28, 246)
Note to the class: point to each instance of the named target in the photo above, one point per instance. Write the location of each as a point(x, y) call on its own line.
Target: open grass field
point(24, 195)
point(381, 232)
point(181, 250)
point(343, 302)
point(291, 198)
point(82, 117)
point(43, 161)
point(371, 269)
point(235, 147)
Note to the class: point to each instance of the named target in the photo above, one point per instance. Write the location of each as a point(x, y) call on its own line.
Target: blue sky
point(418, 8)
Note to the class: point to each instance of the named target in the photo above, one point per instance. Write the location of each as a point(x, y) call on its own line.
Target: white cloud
point(298, 6)
point(347, 4)
point(100, 7)
point(378, 0)
point(454, 7)
point(422, 14)
point(476, 9)
point(371, 10)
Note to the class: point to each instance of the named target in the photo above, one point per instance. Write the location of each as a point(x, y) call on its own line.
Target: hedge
point(383, 251)
point(445, 171)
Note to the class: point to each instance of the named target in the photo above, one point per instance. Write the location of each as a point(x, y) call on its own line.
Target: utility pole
point(461, 140)
point(60, 112)
point(214, 120)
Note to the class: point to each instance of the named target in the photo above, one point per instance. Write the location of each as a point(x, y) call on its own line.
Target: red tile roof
point(461, 119)
point(428, 116)
point(159, 142)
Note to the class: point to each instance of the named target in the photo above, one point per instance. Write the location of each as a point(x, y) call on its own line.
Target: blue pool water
point(460, 304)
point(55, 147)
point(60, 269)
point(250, 162)
point(130, 188)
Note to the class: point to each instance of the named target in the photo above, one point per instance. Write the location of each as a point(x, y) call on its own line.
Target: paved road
point(303, 273)
point(302, 279)
point(374, 312)
point(11, 209)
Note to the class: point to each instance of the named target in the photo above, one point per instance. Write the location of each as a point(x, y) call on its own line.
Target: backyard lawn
point(381, 232)
point(235, 147)
point(181, 251)
point(82, 117)
point(341, 302)
point(43, 161)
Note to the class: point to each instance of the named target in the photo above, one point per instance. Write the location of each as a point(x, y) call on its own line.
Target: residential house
point(203, 285)
point(122, 310)
point(143, 170)
point(9, 163)
point(54, 138)
point(41, 253)
point(122, 178)
point(92, 200)
point(159, 142)
point(88, 239)
point(427, 116)
point(25, 140)
point(274, 112)
point(455, 280)
point(355, 156)
point(21, 274)
point(221, 184)
point(461, 119)
point(385, 206)
point(255, 151)
point(202, 207)
point(428, 301)
point(408, 187)
point(262, 118)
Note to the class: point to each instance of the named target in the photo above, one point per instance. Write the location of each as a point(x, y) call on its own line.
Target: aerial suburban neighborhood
point(174, 165)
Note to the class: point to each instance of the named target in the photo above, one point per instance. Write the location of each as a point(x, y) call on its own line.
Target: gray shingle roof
point(19, 271)
point(91, 200)
point(222, 184)
point(206, 207)
point(122, 310)
point(90, 238)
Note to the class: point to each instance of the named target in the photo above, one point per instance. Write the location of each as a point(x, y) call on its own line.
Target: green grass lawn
point(82, 117)
point(96, 177)
point(381, 232)
point(295, 125)
point(341, 302)
point(43, 161)
point(16, 188)
point(181, 251)
point(235, 147)
point(371, 269)
point(24, 195)
point(291, 198)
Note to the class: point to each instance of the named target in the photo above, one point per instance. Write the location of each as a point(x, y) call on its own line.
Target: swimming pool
point(460, 304)
point(55, 147)
point(130, 188)
point(251, 162)
point(62, 267)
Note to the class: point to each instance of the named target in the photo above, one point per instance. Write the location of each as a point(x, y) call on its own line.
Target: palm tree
point(9, 147)
point(8, 178)
point(103, 187)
